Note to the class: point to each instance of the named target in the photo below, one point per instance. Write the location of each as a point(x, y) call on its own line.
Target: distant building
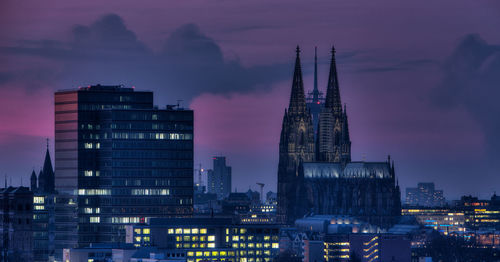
point(425, 195)
point(16, 218)
point(444, 220)
point(367, 248)
point(212, 239)
point(480, 214)
point(219, 178)
point(343, 238)
point(122, 159)
point(117, 252)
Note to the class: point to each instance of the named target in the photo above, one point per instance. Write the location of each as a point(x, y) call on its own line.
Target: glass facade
point(123, 159)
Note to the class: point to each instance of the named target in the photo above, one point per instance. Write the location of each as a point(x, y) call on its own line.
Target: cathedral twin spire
point(333, 142)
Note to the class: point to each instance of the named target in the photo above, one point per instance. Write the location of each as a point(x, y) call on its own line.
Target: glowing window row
point(187, 230)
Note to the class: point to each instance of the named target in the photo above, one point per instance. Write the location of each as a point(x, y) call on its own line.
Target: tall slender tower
point(333, 142)
point(315, 99)
point(296, 146)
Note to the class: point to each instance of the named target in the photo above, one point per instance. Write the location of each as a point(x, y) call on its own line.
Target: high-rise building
point(122, 159)
point(425, 195)
point(316, 174)
point(219, 178)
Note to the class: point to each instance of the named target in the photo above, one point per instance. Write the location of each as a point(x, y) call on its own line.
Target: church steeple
point(333, 91)
point(297, 97)
point(33, 181)
point(46, 177)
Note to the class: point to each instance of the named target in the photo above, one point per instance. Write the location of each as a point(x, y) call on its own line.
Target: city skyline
point(391, 81)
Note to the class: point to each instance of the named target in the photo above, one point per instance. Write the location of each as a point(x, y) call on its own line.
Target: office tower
point(316, 174)
point(219, 179)
point(122, 159)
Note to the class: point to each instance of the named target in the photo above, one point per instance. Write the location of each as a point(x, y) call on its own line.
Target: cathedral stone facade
point(315, 171)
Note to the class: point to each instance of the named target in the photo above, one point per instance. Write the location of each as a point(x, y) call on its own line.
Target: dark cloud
point(404, 65)
point(472, 81)
point(189, 64)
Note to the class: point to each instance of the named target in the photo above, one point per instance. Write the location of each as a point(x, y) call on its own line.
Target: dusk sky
point(421, 79)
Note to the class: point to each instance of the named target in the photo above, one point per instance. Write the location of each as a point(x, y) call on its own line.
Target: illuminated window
point(145, 231)
point(178, 230)
point(137, 230)
point(170, 230)
point(95, 219)
point(187, 238)
point(235, 238)
point(215, 253)
point(203, 238)
point(38, 200)
point(223, 253)
point(37, 207)
point(203, 231)
point(187, 231)
point(211, 238)
point(243, 230)
point(199, 253)
point(195, 231)
point(190, 253)
point(97, 145)
point(88, 146)
point(211, 245)
point(276, 245)
point(88, 173)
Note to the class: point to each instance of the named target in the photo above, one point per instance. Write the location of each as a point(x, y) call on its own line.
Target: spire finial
point(333, 49)
point(47, 143)
point(297, 50)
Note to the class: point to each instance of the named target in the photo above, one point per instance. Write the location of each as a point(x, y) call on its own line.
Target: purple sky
point(420, 78)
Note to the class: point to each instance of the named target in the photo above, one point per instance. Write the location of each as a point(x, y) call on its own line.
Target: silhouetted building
point(317, 175)
point(16, 216)
point(424, 195)
point(122, 159)
point(219, 178)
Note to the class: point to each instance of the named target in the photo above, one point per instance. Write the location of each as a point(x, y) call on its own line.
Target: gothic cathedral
point(315, 171)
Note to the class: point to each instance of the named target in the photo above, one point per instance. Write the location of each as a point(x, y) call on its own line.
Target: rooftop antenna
point(363, 157)
point(179, 103)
